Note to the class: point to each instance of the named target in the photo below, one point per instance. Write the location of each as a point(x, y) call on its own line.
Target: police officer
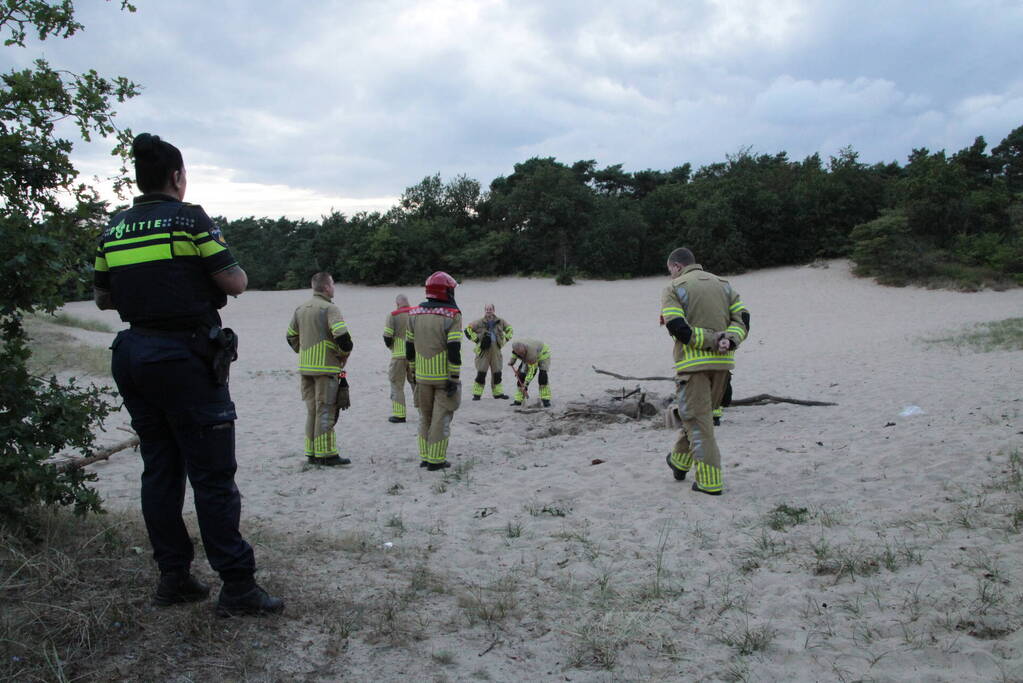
point(703, 316)
point(433, 347)
point(167, 270)
point(395, 327)
point(536, 357)
point(320, 337)
point(489, 333)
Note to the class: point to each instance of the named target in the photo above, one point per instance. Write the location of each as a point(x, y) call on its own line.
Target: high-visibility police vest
point(156, 259)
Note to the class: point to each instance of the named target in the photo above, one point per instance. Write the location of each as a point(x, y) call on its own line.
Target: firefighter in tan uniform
point(395, 327)
point(433, 347)
point(703, 314)
point(489, 333)
point(320, 337)
point(536, 357)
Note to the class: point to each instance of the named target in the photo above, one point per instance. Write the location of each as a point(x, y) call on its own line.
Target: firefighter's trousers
point(698, 393)
point(397, 374)
point(492, 360)
point(320, 395)
point(436, 410)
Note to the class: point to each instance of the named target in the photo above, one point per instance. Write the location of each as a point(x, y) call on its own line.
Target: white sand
point(872, 480)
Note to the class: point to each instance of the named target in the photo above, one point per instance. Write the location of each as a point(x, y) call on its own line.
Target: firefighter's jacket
point(498, 329)
point(395, 327)
point(708, 305)
point(536, 357)
point(315, 327)
point(434, 340)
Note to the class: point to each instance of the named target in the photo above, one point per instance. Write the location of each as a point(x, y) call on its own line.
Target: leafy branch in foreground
point(47, 233)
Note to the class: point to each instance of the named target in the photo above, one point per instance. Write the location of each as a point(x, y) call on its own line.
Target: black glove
point(451, 387)
point(485, 342)
point(344, 401)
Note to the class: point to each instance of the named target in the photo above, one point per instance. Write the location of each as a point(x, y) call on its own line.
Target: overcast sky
point(295, 109)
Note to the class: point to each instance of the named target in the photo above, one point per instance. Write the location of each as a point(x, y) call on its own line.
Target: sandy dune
point(906, 564)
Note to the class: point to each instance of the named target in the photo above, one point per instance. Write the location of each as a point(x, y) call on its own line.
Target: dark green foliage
point(45, 253)
point(939, 220)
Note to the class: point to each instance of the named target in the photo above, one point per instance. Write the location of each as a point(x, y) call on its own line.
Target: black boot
point(179, 587)
point(329, 461)
point(246, 598)
point(475, 397)
point(709, 493)
point(395, 419)
point(679, 474)
point(434, 466)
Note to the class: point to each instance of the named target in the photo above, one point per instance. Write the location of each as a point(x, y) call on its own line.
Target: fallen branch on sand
point(758, 400)
point(101, 454)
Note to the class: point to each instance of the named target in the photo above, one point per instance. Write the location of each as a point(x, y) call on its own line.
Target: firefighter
point(703, 315)
point(395, 327)
point(433, 347)
point(320, 337)
point(166, 268)
point(489, 333)
point(534, 359)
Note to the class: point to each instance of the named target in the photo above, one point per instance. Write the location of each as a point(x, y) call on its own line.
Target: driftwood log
point(101, 454)
point(758, 400)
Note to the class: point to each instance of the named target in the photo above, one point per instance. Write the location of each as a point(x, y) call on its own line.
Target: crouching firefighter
point(535, 360)
point(433, 347)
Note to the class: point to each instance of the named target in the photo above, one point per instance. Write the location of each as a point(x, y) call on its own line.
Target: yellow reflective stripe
point(697, 338)
point(682, 461)
point(388, 331)
point(530, 373)
point(135, 240)
point(708, 478)
point(471, 333)
point(508, 333)
point(131, 257)
point(434, 452)
point(398, 348)
point(184, 248)
point(325, 444)
point(454, 335)
point(101, 264)
point(545, 391)
point(723, 362)
point(337, 328)
point(314, 359)
point(737, 306)
point(738, 330)
point(545, 353)
point(435, 368)
point(291, 331)
point(672, 310)
point(208, 248)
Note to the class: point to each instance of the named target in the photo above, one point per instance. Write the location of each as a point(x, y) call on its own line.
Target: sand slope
point(907, 563)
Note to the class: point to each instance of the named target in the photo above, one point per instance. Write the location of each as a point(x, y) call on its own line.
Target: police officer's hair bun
point(155, 161)
point(145, 145)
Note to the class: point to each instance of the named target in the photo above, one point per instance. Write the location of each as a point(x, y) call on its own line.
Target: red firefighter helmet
point(441, 286)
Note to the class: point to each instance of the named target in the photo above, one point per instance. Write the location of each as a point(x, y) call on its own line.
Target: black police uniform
point(156, 259)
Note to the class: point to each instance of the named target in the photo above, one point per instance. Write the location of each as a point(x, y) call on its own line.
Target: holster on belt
point(224, 351)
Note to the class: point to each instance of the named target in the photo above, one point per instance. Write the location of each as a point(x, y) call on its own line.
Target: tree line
point(953, 219)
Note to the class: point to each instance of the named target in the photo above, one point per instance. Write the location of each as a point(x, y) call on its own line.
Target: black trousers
point(185, 423)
